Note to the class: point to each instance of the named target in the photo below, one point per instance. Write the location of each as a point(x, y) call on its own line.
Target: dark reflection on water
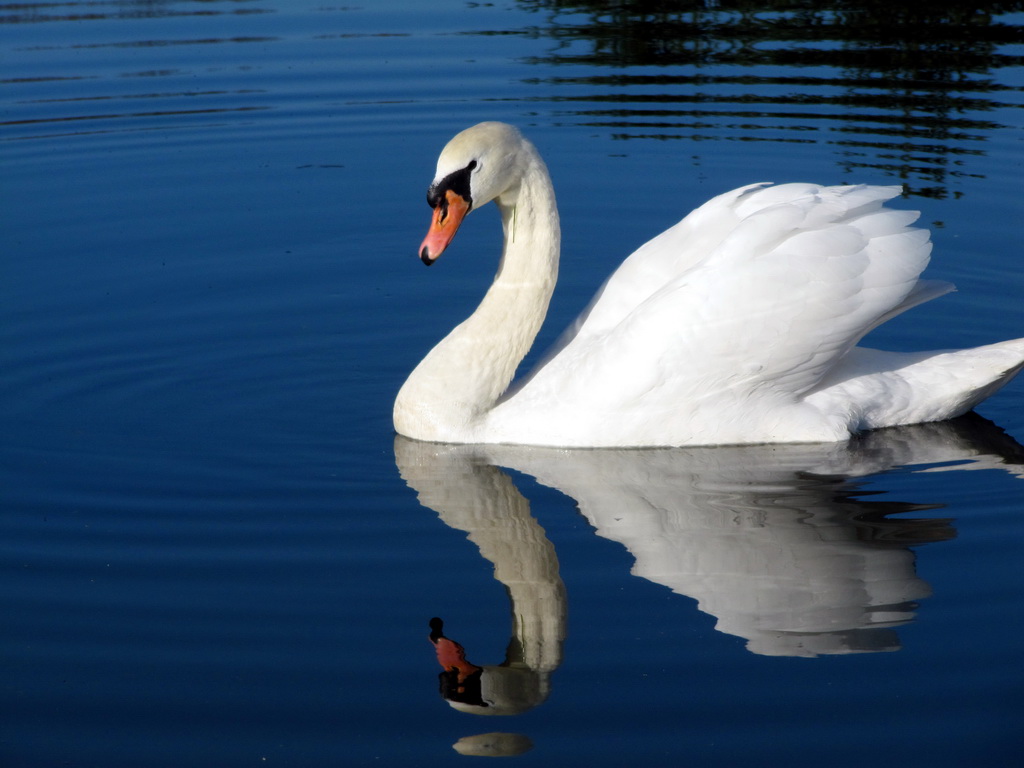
point(910, 90)
point(905, 88)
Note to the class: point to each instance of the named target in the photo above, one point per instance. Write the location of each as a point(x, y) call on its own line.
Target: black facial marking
point(457, 182)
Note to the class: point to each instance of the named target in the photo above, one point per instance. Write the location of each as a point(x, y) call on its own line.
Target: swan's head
point(478, 165)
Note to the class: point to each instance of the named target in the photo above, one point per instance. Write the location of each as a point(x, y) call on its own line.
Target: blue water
point(214, 549)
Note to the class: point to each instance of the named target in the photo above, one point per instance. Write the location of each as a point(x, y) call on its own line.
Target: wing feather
point(761, 290)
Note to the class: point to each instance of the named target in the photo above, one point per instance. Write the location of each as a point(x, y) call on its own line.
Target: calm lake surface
point(215, 552)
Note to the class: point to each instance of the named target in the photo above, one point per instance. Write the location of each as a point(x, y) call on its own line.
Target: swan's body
point(737, 325)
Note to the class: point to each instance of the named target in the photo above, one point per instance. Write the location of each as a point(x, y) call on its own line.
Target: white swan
point(736, 325)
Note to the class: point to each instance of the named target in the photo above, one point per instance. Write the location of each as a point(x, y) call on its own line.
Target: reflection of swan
point(769, 539)
point(737, 325)
point(480, 499)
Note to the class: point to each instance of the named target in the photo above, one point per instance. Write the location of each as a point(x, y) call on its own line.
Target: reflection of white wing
point(768, 538)
point(790, 576)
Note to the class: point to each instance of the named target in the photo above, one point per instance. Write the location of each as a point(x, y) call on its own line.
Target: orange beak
point(448, 215)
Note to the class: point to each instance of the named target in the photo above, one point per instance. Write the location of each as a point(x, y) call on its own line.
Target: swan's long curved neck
point(448, 395)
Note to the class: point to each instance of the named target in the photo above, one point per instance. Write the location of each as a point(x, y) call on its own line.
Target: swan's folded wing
point(655, 264)
point(662, 259)
point(682, 247)
point(764, 315)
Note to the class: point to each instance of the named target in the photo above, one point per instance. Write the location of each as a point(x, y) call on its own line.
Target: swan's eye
point(457, 182)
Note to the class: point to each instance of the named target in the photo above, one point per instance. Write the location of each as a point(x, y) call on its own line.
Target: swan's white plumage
point(736, 325)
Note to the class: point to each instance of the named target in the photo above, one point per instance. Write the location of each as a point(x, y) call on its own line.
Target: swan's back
point(716, 330)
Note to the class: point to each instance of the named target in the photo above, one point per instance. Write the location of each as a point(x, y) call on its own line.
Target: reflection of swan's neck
point(525, 562)
point(471, 495)
point(475, 497)
point(449, 393)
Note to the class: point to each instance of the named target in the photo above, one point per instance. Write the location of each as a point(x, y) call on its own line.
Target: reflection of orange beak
point(448, 215)
point(450, 655)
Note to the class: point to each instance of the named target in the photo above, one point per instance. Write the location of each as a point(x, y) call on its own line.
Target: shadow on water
point(908, 89)
point(780, 543)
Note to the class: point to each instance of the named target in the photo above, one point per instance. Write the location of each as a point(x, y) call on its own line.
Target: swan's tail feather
point(885, 389)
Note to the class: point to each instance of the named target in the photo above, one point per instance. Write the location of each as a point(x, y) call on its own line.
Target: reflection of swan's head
point(499, 690)
point(507, 689)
